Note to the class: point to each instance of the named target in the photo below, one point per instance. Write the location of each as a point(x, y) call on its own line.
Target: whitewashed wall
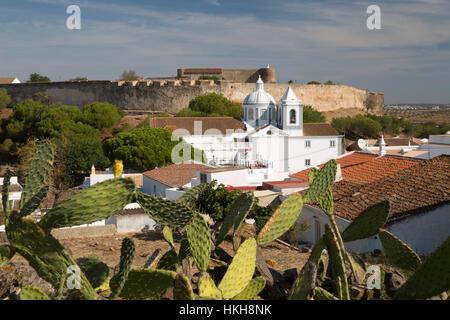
point(149, 186)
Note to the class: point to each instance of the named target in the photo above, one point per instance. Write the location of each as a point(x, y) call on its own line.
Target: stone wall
point(173, 95)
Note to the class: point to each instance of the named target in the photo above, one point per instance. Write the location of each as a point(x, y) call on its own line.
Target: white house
point(436, 146)
point(420, 207)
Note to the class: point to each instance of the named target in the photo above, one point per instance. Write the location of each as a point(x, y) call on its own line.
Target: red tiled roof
point(221, 124)
point(318, 129)
point(366, 167)
point(175, 175)
point(413, 190)
point(6, 80)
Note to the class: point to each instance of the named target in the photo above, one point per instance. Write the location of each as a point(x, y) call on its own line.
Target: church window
point(332, 143)
point(292, 117)
point(251, 114)
point(308, 143)
point(307, 162)
point(203, 178)
point(264, 114)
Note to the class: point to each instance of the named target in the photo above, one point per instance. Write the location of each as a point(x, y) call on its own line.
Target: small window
point(251, 114)
point(308, 143)
point(203, 178)
point(292, 117)
point(308, 162)
point(154, 189)
point(332, 143)
point(264, 114)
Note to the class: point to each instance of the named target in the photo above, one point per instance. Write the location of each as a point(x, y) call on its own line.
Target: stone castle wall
point(173, 95)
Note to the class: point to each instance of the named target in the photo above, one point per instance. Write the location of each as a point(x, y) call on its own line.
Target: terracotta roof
point(319, 129)
point(411, 191)
point(367, 167)
point(219, 123)
point(175, 175)
point(6, 80)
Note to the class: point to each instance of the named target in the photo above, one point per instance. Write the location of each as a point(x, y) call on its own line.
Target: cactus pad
point(165, 212)
point(367, 223)
point(5, 254)
point(254, 287)
point(5, 191)
point(304, 284)
point(168, 235)
point(337, 263)
point(240, 271)
point(146, 284)
point(34, 202)
point(39, 170)
point(397, 252)
point(95, 203)
point(32, 293)
point(169, 261)
point(236, 215)
point(283, 218)
point(431, 278)
point(321, 181)
point(199, 237)
point(182, 288)
point(207, 288)
point(322, 294)
point(190, 197)
point(126, 259)
point(96, 271)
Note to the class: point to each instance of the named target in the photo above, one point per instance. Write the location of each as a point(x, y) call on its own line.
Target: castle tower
point(290, 113)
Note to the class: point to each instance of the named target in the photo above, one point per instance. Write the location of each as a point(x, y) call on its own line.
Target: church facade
point(270, 135)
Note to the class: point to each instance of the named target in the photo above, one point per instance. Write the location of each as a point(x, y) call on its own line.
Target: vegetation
point(79, 79)
point(36, 77)
point(130, 76)
point(314, 82)
point(357, 127)
point(143, 148)
point(329, 274)
point(211, 105)
point(311, 115)
point(5, 98)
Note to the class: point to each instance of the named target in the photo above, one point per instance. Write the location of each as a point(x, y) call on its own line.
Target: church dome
point(259, 96)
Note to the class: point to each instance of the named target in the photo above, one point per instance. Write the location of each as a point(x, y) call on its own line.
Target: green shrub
point(95, 270)
point(311, 115)
point(5, 98)
point(211, 105)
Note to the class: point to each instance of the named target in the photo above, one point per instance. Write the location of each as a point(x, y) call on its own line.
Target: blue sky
point(408, 59)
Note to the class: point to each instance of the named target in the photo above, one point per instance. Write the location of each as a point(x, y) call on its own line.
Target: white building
point(270, 135)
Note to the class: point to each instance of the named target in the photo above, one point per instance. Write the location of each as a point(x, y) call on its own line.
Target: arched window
point(251, 115)
point(292, 117)
point(264, 114)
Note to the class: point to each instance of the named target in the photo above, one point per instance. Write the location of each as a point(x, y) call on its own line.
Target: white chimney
point(382, 149)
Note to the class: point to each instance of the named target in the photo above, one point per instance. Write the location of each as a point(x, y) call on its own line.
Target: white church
point(270, 135)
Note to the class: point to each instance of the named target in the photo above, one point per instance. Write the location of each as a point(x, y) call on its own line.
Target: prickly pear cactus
point(431, 278)
point(240, 271)
point(96, 271)
point(117, 168)
point(199, 238)
point(144, 284)
point(126, 259)
point(182, 288)
point(32, 293)
point(322, 294)
point(168, 235)
point(5, 254)
point(92, 204)
point(322, 181)
point(39, 170)
point(337, 263)
point(189, 198)
point(207, 288)
point(283, 218)
point(326, 199)
point(254, 287)
point(236, 215)
point(397, 252)
point(169, 261)
point(305, 283)
point(367, 223)
point(5, 191)
point(165, 212)
point(34, 202)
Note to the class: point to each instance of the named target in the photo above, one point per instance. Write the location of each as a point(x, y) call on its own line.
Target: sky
point(408, 59)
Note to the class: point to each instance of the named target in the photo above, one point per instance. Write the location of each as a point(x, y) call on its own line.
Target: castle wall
point(173, 95)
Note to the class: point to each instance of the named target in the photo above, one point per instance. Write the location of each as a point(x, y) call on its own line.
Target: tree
point(36, 77)
point(79, 79)
point(5, 98)
point(143, 148)
point(81, 154)
point(314, 82)
point(130, 76)
point(101, 115)
point(211, 105)
point(329, 82)
point(311, 115)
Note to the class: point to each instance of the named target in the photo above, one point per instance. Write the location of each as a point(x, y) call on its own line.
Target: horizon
point(407, 59)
